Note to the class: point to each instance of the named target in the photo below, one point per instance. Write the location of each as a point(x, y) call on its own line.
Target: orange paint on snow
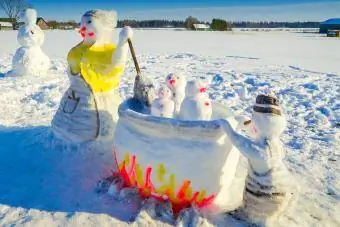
point(184, 197)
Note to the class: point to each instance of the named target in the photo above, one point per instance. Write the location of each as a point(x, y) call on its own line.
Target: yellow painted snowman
point(89, 108)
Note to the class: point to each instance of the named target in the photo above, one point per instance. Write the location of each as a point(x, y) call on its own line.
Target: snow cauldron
point(185, 162)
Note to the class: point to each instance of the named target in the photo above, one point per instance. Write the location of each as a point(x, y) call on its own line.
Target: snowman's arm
point(242, 143)
point(119, 57)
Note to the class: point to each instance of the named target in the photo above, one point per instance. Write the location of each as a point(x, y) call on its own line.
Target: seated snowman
point(176, 82)
point(269, 185)
point(163, 106)
point(197, 104)
point(29, 58)
point(88, 110)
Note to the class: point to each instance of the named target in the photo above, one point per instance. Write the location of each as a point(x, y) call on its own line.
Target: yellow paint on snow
point(94, 63)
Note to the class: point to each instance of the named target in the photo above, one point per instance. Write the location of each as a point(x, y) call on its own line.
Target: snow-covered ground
point(44, 183)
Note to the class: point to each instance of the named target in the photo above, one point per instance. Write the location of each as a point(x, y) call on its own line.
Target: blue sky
point(276, 10)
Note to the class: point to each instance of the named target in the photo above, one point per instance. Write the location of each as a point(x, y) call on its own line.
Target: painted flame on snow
point(134, 176)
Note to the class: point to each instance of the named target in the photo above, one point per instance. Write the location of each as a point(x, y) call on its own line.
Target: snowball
point(29, 16)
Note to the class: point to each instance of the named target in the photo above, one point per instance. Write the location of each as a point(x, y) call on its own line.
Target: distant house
point(333, 33)
point(331, 24)
point(6, 26)
point(201, 27)
point(42, 23)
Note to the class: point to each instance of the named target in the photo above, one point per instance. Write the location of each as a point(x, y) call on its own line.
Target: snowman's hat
point(267, 104)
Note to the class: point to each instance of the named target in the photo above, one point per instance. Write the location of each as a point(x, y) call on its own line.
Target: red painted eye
point(91, 34)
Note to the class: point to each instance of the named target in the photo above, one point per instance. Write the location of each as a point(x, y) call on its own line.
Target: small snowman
point(197, 104)
point(269, 185)
point(29, 58)
point(176, 82)
point(163, 106)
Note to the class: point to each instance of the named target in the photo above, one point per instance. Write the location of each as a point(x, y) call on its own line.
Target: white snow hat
point(108, 18)
point(29, 16)
point(267, 104)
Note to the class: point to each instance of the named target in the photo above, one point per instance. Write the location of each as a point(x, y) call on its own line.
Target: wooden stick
point(132, 50)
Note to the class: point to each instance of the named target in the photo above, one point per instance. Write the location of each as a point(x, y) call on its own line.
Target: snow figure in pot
point(29, 58)
point(89, 109)
point(269, 185)
point(163, 106)
point(176, 82)
point(197, 104)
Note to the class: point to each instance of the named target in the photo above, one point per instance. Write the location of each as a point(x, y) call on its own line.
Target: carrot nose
point(203, 90)
point(172, 82)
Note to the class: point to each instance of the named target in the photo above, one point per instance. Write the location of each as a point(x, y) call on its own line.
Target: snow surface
point(46, 183)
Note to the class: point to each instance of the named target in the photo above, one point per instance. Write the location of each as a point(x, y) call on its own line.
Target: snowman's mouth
point(203, 90)
point(172, 82)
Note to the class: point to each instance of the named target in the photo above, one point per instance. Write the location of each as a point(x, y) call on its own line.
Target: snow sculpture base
point(183, 161)
point(29, 61)
point(84, 116)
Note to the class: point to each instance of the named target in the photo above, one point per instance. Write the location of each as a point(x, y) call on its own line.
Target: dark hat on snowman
point(267, 104)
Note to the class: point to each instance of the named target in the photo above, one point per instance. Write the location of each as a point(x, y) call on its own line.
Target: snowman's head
point(175, 81)
point(195, 87)
point(98, 25)
point(29, 16)
point(267, 117)
point(164, 92)
point(30, 36)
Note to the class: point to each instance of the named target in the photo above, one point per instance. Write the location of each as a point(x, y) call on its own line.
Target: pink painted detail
point(207, 103)
point(172, 82)
point(203, 90)
point(254, 129)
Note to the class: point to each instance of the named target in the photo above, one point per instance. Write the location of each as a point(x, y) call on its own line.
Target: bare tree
point(13, 8)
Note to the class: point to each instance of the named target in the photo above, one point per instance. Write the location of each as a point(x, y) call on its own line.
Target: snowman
point(88, 111)
point(177, 83)
point(163, 106)
point(269, 185)
point(197, 104)
point(29, 58)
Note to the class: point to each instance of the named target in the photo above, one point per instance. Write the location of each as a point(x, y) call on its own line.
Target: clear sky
point(258, 10)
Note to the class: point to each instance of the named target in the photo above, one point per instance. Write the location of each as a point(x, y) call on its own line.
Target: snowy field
point(43, 183)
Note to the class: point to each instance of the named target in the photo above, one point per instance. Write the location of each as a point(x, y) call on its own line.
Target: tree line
point(215, 24)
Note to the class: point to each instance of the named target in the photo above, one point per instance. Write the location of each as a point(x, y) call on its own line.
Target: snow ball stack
point(29, 59)
point(269, 186)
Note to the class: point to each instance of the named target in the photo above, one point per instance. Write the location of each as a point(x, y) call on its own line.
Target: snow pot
point(184, 162)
